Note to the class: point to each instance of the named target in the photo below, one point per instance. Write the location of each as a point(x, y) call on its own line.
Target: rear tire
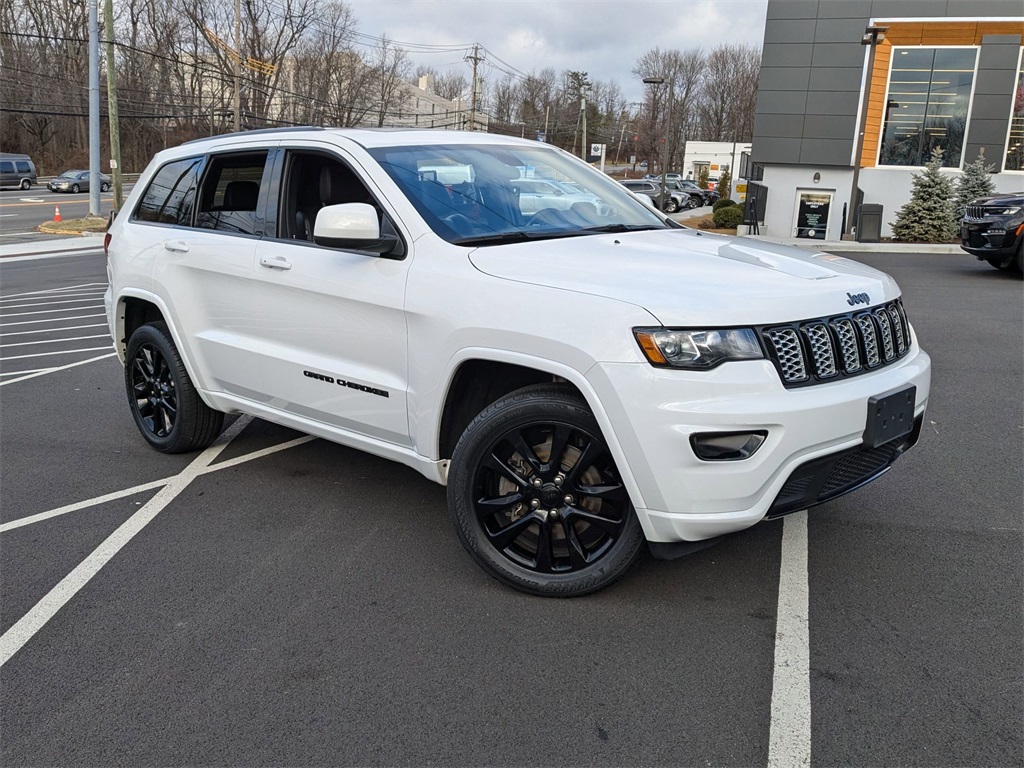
point(165, 405)
point(671, 206)
point(26, 184)
point(536, 498)
point(104, 187)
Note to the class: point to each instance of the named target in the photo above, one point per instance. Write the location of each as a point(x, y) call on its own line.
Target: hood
point(684, 277)
point(1007, 198)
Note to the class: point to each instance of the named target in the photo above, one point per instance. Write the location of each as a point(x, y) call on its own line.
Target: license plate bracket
point(890, 416)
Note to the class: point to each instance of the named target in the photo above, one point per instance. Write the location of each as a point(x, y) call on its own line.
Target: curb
point(51, 231)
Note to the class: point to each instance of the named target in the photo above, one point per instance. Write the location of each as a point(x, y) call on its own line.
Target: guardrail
point(125, 177)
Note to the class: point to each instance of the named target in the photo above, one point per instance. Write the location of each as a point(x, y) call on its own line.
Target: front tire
point(165, 405)
point(75, 188)
point(536, 498)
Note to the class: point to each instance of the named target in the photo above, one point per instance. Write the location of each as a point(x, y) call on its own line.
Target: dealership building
point(870, 88)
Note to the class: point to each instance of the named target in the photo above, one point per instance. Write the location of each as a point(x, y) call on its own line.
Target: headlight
point(1008, 211)
point(697, 350)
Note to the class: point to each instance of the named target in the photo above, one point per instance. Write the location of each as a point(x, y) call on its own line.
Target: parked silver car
point(674, 200)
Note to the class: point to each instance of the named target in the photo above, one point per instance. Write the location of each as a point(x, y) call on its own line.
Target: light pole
point(668, 129)
point(873, 35)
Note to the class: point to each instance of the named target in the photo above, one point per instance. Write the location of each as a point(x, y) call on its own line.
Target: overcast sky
point(599, 37)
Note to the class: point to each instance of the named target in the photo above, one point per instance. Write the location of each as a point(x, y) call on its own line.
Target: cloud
point(600, 37)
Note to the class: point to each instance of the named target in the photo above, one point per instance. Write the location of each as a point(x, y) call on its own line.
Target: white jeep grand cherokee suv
point(581, 378)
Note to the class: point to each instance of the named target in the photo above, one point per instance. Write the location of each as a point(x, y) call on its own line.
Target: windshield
point(490, 194)
point(69, 174)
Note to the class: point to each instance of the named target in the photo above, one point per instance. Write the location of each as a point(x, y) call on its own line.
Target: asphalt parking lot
point(279, 600)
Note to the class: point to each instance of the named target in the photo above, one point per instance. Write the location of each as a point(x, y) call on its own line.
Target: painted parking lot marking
point(54, 341)
point(4, 334)
point(38, 615)
point(54, 320)
point(47, 329)
point(64, 289)
point(789, 739)
point(115, 495)
point(43, 371)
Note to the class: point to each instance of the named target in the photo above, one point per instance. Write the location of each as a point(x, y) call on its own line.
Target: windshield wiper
point(614, 228)
point(503, 238)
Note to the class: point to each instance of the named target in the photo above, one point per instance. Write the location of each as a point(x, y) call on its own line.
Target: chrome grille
point(867, 329)
point(788, 353)
point(823, 349)
point(897, 329)
point(885, 329)
point(848, 347)
point(822, 353)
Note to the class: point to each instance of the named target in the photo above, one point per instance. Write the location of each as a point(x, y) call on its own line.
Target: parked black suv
point(993, 230)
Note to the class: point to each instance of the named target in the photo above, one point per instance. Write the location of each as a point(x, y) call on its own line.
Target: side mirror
point(354, 226)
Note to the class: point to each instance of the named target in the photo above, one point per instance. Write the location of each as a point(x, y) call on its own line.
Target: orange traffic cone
point(56, 213)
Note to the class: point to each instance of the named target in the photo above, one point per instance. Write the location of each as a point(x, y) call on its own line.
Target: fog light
point(727, 446)
point(996, 232)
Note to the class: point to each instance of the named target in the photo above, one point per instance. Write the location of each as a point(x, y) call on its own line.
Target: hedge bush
point(729, 217)
point(722, 204)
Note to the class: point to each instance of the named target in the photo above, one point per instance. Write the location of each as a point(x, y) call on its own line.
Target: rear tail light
point(106, 244)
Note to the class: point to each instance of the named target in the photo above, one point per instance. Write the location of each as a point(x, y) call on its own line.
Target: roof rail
point(259, 131)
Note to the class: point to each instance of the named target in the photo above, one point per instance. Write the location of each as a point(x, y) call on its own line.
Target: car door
point(205, 264)
point(332, 322)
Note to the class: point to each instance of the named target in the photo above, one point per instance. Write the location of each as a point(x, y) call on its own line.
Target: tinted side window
point(231, 190)
point(171, 195)
point(6, 166)
point(22, 166)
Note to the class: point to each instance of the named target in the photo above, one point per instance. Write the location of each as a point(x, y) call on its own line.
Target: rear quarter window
point(171, 195)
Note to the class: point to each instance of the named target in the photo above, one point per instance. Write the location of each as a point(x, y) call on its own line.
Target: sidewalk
point(850, 246)
point(63, 245)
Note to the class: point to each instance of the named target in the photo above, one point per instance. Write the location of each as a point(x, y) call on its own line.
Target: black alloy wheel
point(537, 499)
point(75, 188)
point(165, 405)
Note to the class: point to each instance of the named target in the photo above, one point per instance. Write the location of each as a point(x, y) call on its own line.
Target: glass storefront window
point(1015, 146)
point(929, 94)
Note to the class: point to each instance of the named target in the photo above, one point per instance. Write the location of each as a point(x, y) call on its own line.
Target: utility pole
point(115, 134)
point(475, 58)
point(584, 149)
point(547, 114)
point(94, 110)
point(238, 65)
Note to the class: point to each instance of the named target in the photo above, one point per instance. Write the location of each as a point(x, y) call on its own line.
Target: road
point(21, 212)
point(291, 601)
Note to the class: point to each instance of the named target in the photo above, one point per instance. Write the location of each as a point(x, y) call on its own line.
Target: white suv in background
point(581, 378)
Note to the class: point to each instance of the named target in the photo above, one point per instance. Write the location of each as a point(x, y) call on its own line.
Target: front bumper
point(993, 238)
point(654, 412)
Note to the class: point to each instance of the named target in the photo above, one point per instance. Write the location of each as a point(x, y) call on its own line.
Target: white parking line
point(39, 517)
point(51, 311)
point(19, 373)
point(28, 625)
point(43, 371)
point(51, 330)
point(48, 303)
point(58, 352)
point(55, 290)
point(80, 295)
point(789, 735)
point(54, 341)
point(54, 320)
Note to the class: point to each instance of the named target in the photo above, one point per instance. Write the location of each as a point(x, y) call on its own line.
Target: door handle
point(176, 246)
point(275, 262)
